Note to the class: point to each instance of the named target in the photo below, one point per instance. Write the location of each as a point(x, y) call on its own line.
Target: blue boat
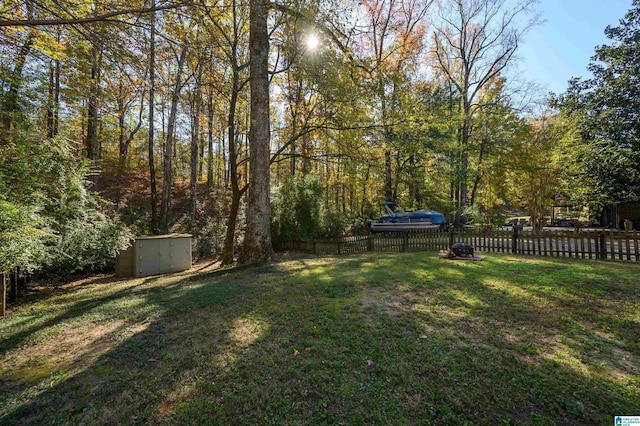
point(397, 220)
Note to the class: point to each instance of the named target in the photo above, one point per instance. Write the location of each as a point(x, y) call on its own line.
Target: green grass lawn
point(368, 339)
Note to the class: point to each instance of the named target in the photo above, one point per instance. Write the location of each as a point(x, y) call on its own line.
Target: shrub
point(49, 220)
point(209, 239)
point(22, 237)
point(296, 210)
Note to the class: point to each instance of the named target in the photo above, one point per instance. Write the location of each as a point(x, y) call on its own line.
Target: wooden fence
point(585, 244)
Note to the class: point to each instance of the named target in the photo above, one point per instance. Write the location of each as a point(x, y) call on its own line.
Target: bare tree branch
point(85, 20)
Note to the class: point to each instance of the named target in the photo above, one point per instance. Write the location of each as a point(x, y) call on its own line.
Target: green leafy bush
point(334, 224)
point(296, 210)
point(49, 220)
point(22, 237)
point(209, 239)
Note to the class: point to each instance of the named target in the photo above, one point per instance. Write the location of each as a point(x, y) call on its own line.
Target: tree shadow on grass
point(300, 342)
point(145, 360)
point(48, 318)
point(464, 357)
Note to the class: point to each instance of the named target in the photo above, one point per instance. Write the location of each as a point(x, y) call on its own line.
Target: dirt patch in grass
point(384, 301)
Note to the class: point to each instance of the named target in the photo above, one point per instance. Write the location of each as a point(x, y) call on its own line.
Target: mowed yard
point(370, 339)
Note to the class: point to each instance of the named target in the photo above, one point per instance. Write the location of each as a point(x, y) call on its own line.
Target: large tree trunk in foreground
point(257, 242)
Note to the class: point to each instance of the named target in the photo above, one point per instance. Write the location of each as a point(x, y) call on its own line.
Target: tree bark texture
point(236, 193)
point(195, 147)
point(151, 148)
point(210, 143)
point(53, 105)
point(91, 137)
point(10, 104)
point(257, 242)
point(167, 174)
point(388, 178)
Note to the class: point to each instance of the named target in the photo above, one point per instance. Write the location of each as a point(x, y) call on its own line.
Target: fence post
point(451, 231)
point(405, 241)
point(3, 294)
point(370, 243)
point(514, 240)
point(603, 246)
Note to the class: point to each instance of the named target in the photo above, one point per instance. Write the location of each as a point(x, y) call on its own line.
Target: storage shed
point(159, 254)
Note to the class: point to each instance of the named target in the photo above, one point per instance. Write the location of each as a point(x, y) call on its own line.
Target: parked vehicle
point(397, 220)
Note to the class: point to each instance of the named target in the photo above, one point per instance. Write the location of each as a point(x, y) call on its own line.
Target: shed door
point(153, 257)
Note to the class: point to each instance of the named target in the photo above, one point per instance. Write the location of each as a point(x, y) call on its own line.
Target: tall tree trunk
point(294, 107)
point(222, 171)
point(123, 146)
point(53, 104)
point(210, 142)
point(257, 243)
point(201, 144)
point(365, 185)
point(10, 104)
point(305, 154)
point(124, 140)
point(413, 183)
point(151, 148)
point(91, 137)
point(479, 173)
point(195, 147)
point(167, 175)
point(464, 164)
point(388, 177)
point(236, 192)
point(292, 148)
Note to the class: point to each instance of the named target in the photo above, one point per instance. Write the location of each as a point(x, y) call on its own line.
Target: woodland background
point(123, 118)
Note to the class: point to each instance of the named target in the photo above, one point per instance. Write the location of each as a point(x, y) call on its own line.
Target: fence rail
point(585, 244)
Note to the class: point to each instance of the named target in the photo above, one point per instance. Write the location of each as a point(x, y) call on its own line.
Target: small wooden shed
point(154, 255)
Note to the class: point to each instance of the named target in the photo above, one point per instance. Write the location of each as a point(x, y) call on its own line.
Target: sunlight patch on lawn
point(516, 292)
point(561, 351)
point(69, 345)
point(471, 301)
point(49, 362)
point(442, 314)
point(323, 278)
point(243, 333)
point(246, 331)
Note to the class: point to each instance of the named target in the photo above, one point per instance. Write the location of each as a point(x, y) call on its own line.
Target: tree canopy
point(605, 109)
point(165, 116)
